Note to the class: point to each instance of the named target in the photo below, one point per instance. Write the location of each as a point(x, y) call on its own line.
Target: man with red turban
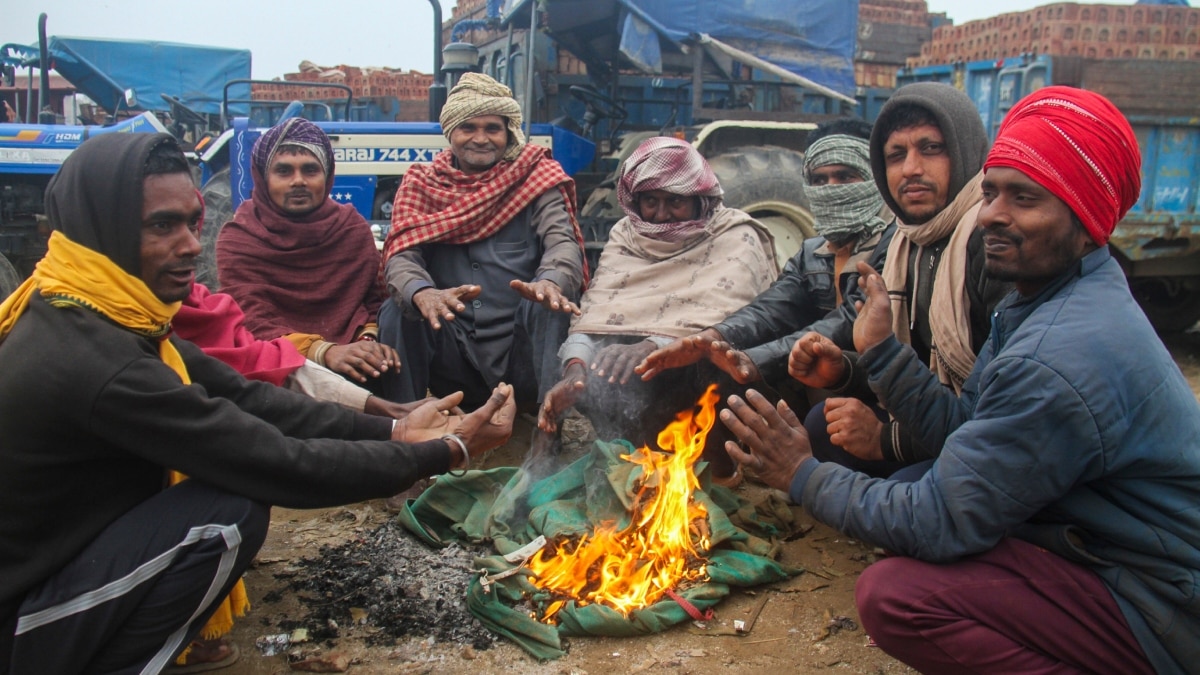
point(1059, 528)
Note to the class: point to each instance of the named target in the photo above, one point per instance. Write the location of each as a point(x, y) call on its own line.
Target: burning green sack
point(512, 507)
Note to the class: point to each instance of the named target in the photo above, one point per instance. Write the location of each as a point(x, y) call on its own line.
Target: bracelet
point(455, 438)
point(366, 337)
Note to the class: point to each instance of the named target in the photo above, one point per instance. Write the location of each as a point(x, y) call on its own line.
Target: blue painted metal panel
point(41, 148)
point(358, 191)
point(241, 182)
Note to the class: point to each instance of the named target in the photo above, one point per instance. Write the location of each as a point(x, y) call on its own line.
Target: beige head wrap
point(477, 94)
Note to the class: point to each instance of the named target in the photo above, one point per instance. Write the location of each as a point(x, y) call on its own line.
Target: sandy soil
point(790, 633)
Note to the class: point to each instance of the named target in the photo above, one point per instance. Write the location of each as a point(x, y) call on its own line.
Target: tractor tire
point(218, 210)
point(9, 279)
point(1171, 306)
point(767, 182)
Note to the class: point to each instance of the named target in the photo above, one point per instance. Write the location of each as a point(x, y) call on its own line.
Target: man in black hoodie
point(927, 152)
point(101, 568)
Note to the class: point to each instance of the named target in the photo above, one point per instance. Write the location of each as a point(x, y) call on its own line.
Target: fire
point(662, 545)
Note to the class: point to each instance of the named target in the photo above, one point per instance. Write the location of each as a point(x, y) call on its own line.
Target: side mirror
point(130, 98)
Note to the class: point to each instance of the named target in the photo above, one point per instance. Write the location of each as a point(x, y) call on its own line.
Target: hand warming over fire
point(707, 344)
point(545, 293)
point(434, 418)
point(616, 362)
point(561, 396)
point(490, 426)
point(682, 352)
point(437, 304)
point(776, 438)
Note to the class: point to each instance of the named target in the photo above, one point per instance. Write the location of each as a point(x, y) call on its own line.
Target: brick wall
point(1071, 29)
point(408, 85)
point(889, 33)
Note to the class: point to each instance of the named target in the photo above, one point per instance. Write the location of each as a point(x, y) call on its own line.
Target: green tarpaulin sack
point(510, 507)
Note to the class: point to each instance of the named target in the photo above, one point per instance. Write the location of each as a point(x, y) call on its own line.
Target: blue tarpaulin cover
point(104, 69)
point(814, 39)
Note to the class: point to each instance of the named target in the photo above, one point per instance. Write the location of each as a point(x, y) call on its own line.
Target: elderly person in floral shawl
point(679, 261)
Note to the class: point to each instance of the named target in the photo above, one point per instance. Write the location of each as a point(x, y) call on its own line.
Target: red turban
point(1077, 145)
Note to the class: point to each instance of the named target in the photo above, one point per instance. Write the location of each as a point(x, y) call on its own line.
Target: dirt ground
point(792, 630)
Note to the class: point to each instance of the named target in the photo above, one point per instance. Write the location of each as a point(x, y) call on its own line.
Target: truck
point(743, 82)
point(135, 86)
point(744, 92)
point(1158, 242)
point(713, 76)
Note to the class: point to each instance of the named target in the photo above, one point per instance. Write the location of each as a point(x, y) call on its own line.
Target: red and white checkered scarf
point(438, 203)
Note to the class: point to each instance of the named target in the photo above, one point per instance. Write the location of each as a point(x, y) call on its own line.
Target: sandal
point(224, 654)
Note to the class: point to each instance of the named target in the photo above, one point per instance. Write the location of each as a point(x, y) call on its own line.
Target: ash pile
point(391, 586)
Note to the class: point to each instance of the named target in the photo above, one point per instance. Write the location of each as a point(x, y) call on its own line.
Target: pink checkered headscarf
point(672, 165)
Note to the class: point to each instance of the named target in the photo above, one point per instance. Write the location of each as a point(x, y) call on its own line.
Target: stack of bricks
point(889, 32)
point(1070, 29)
point(364, 82)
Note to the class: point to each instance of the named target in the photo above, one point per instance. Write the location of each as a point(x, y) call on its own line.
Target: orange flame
point(661, 546)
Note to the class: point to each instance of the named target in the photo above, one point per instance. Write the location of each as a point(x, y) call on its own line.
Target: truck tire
point(1172, 305)
point(218, 210)
point(9, 279)
point(767, 182)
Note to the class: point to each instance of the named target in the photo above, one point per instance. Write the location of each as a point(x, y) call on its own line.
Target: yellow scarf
point(71, 275)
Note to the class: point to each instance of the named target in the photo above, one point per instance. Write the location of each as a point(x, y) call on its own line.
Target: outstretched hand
point(816, 361)
point(616, 362)
point(438, 304)
point(490, 426)
point(682, 352)
point(874, 322)
point(382, 407)
point(777, 440)
point(546, 293)
point(707, 344)
point(561, 396)
point(434, 418)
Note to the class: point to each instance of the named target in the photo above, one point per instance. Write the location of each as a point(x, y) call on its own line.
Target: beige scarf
point(951, 357)
point(647, 286)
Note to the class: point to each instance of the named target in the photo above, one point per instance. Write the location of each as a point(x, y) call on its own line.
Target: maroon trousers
point(1015, 609)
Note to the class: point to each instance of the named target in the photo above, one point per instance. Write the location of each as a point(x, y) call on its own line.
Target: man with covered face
point(678, 261)
point(1058, 530)
point(103, 567)
point(753, 343)
point(484, 260)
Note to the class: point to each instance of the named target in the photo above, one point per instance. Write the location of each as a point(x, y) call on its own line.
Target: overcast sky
point(395, 33)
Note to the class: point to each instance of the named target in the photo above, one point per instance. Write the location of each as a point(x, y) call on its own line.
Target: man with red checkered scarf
point(484, 262)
